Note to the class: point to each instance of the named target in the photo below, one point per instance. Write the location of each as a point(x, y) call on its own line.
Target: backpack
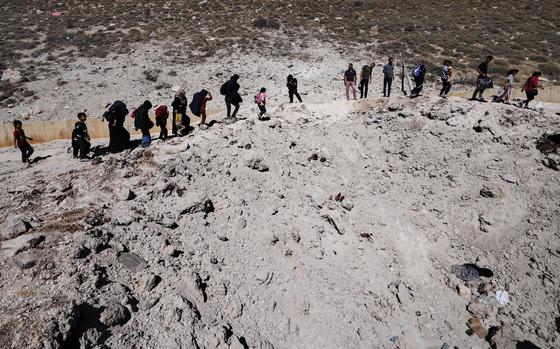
point(161, 112)
point(196, 102)
point(258, 98)
point(223, 88)
point(117, 108)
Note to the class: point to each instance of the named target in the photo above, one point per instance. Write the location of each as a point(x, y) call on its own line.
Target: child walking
point(80, 137)
point(508, 87)
point(20, 142)
point(260, 99)
point(445, 73)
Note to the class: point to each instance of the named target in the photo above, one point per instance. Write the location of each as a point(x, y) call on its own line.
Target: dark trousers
point(445, 88)
point(419, 82)
point(387, 82)
point(530, 97)
point(479, 89)
point(229, 103)
point(81, 146)
point(262, 108)
point(118, 138)
point(26, 152)
point(364, 83)
point(162, 131)
point(162, 123)
point(293, 93)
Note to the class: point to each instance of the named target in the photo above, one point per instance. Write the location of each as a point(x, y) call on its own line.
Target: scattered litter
point(394, 339)
point(56, 14)
point(477, 327)
point(470, 272)
point(502, 297)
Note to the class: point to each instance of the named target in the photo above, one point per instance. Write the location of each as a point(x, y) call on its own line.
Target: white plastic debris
point(502, 297)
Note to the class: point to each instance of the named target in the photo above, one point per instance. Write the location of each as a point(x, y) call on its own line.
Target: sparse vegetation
point(401, 28)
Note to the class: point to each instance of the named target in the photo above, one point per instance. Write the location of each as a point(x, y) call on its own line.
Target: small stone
point(213, 260)
point(488, 192)
point(25, 260)
point(14, 227)
point(510, 178)
point(464, 291)
point(483, 307)
point(150, 281)
point(12, 76)
point(347, 205)
point(504, 338)
point(115, 314)
point(257, 164)
point(477, 327)
point(170, 251)
point(125, 194)
point(132, 261)
point(151, 301)
point(241, 223)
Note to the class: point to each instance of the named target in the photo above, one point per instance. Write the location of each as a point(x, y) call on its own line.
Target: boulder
point(115, 314)
point(22, 243)
point(25, 260)
point(12, 76)
point(14, 227)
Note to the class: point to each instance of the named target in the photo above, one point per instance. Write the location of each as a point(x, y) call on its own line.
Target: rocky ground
point(332, 225)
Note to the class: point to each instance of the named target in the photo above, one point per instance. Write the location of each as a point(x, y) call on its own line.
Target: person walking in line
point(483, 81)
point(162, 114)
point(531, 88)
point(80, 137)
point(20, 142)
point(350, 81)
point(418, 74)
point(388, 75)
point(179, 105)
point(365, 78)
point(505, 97)
point(445, 73)
point(143, 123)
point(404, 77)
point(260, 100)
point(230, 90)
point(119, 137)
point(292, 86)
point(205, 99)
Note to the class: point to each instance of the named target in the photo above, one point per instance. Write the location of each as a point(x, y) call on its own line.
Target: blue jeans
point(146, 139)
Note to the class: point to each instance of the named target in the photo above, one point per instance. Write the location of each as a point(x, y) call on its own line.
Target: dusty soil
point(380, 223)
point(331, 225)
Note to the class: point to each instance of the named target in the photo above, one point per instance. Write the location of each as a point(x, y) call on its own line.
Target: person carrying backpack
point(260, 100)
point(350, 81)
point(388, 76)
point(531, 88)
point(118, 135)
point(483, 81)
point(179, 105)
point(292, 86)
point(365, 78)
point(80, 137)
point(143, 123)
point(161, 120)
point(198, 106)
point(230, 90)
point(445, 74)
point(418, 74)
